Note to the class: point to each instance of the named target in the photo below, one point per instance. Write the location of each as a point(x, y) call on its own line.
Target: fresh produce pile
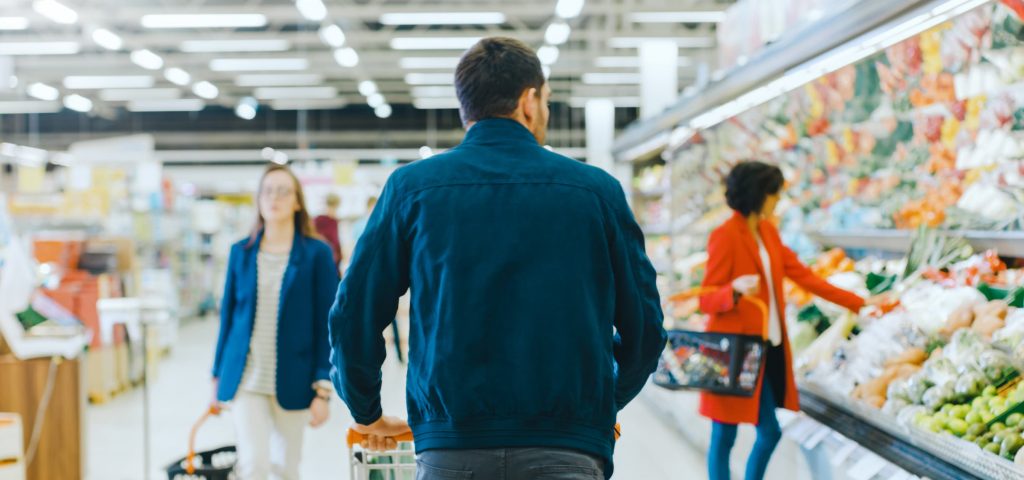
point(946, 358)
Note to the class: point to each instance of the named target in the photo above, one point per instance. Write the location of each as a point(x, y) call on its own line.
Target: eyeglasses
point(279, 192)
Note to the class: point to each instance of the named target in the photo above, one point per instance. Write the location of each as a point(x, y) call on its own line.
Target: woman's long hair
point(303, 222)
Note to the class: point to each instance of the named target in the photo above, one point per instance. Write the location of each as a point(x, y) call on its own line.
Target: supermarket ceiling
point(235, 66)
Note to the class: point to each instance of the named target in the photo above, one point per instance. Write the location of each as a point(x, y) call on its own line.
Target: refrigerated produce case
point(905, 115)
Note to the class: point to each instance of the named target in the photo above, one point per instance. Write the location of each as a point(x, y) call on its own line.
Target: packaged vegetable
point(938, 396)
point(909, 415)
point(996, 365)
point(970, 384)
point(940, 371)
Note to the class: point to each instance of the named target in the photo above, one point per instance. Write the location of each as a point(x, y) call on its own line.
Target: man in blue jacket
point(535, 315)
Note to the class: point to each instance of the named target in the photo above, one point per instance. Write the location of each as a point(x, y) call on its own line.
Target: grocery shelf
point(928, 455)
point(1009, 243)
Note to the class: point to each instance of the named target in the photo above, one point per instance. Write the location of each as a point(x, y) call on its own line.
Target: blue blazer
point(303, 350)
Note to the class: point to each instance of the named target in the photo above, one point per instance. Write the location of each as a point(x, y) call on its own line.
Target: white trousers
point(269, 437)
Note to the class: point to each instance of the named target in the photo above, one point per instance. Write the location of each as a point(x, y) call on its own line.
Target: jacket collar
point(499, 130)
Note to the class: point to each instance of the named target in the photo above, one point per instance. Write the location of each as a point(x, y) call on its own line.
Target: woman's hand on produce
point(747, 284)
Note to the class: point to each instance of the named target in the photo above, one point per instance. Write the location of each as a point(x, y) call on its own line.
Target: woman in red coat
point(747, 257)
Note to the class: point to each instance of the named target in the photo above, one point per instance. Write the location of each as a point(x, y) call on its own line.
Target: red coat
point(732, 253)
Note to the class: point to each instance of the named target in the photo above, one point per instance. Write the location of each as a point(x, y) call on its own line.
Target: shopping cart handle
point(355, 438)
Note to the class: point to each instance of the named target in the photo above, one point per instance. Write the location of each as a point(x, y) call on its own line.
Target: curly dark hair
point(749, 184)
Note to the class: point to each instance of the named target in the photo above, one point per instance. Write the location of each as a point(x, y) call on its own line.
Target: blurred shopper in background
point(272, 356)
point(327, 226)
point(522, 265)
point(360, 225)
point(746, 257)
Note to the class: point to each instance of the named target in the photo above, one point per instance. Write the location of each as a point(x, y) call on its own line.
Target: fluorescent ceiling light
point(684, 42)
point(257, 64)
point(312, 10)
point(38, 48)
point(383, 111)
point(433, 43)
point(205, 90)
point(182, 105)
point(620, 102)
point(147, 59)
point(107, 39)
point(367, 88)
point(13, 23)
point(177, 76)
point(569, 8)
point(548, 54)
point(557, 33)
point(128, 94)
point(78, 103)
point(678, 17)
point(433, 92)
point(304, 104)
point(280, 93)
point(332, 35)
point(56, 11)
point(250, 45)
point(42, 91)
point(86, 82)
point(435, 103)
point(375, 100)
point(611, 78)
point(430, 78)
point(215, 20)
point(426, 63)
point(346, 57)
point(29, 106)
point(443, 18)
point(631, 62)
point(278, 79)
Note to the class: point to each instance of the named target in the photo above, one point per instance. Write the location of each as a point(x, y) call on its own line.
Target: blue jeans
point(509, 464)
point(723, 437)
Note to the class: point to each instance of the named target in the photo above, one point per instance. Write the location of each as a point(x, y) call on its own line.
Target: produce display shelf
point(924, 454)
point(1008, 243)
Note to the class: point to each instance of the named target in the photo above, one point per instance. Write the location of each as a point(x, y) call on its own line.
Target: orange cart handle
point(698, 291)
point(354, 438)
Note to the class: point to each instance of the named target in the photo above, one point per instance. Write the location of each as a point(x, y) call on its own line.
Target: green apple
point(947, 408)
point(987, 417)
point(936, 425)
point(973, 417)
point(957, 427)
point(978, 403)
point(976, 430)
point(989, 391)
point(993, 448)
point(997, 427)
point(960, 411)
point(996, 403)
point(1014, 419)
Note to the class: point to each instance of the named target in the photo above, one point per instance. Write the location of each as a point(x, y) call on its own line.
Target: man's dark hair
point(749, 184)
point(493, 74)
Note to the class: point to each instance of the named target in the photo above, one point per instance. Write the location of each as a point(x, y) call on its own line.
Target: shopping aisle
point(649, 449)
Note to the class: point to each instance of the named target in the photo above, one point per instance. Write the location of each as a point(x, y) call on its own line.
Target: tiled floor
point(649, 449)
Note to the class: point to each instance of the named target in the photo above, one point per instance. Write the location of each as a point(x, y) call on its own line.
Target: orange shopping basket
point(722, 363)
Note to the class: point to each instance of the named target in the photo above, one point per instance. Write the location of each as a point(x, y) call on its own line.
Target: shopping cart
point(216, 464)
point(722, 363)
point(397, 464)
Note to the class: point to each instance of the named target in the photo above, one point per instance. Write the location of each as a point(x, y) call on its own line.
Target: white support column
point(659, 76)
point(600, 122)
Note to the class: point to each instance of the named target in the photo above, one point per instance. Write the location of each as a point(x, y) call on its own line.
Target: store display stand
point(137, 315)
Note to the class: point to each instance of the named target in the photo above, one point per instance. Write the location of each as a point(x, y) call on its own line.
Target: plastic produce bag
point(938, 395)
point(929, 305)
point(909, 415)
point(970, 384)
point(996, 365)
point(941, 371)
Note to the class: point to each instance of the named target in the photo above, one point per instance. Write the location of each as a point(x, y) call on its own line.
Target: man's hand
point(380, 436)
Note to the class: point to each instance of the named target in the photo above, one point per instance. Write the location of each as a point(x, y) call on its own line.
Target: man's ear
point(528, 104)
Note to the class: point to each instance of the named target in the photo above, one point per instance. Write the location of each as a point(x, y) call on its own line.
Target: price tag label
point(867, 467)
point(844, 453)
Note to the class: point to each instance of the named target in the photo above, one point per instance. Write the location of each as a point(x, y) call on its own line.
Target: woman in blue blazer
point(272, 357)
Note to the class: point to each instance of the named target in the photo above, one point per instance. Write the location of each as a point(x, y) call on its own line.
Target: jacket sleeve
point(805, 278)
point(227, 308)
point(366, 304)
point(640, 336)
point(718, 276)
point(326, 282)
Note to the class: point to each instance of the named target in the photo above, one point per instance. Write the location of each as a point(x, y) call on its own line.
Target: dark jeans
point(723, 435)
point(508, 464)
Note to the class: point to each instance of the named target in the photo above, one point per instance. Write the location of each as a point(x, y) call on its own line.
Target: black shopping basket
point(721, 363)
point(216, 464)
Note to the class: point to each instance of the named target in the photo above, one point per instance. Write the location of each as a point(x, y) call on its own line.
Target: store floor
point(649, 449)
